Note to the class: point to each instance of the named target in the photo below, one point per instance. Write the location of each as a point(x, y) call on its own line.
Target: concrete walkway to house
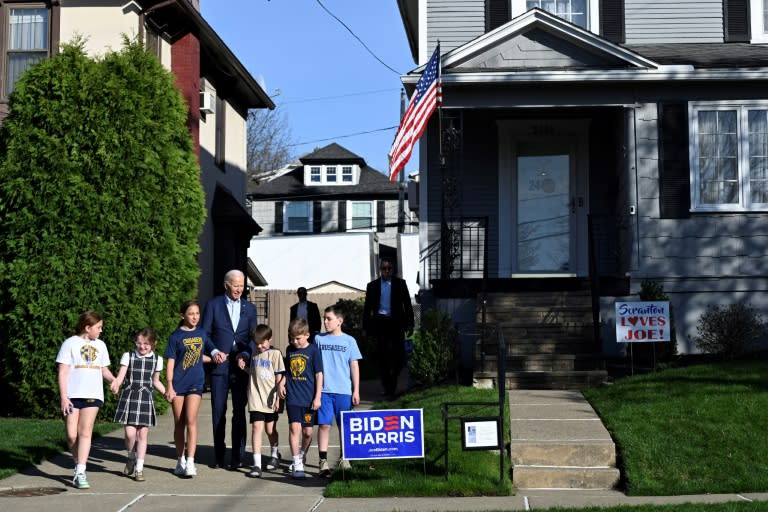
point(219, 490)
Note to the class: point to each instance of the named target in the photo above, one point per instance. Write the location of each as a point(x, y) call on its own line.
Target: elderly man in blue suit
point(228, 319)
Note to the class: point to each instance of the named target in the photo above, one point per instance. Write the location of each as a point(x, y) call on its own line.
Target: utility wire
point(342, 136)
point(338, 96)
point(360, 40)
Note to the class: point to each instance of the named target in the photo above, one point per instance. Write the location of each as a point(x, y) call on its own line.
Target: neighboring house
point(216, 86)
point(584, 152)
point(328, 199)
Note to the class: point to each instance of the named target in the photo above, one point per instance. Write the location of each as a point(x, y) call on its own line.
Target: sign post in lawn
point(642, 322)
point(382, 434)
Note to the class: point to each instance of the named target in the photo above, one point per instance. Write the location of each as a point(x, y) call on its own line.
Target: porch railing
point(460, 252)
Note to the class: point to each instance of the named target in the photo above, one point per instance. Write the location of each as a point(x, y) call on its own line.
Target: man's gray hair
point(232, 273)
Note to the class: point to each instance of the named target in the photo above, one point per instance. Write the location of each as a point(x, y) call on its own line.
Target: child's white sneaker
point(190, 470)
point(181, 469)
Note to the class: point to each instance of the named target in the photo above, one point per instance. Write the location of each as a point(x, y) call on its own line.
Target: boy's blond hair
point(297, 327)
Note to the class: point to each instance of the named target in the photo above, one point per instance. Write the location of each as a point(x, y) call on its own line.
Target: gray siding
point(453, 23)
point(708, 245)
point(679, 21)
point(263, 212)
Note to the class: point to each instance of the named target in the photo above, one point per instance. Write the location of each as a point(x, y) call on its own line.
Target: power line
point(321, 98)
point(360, 40)
point(342, 136)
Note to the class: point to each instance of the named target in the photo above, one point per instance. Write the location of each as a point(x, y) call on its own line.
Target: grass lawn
point(693, 430)
point(25, 442)
point(471, 473)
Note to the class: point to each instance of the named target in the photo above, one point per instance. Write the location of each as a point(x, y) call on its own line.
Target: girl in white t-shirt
point(83, 364)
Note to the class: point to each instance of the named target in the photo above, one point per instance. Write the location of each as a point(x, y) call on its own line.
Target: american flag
point(426, 99)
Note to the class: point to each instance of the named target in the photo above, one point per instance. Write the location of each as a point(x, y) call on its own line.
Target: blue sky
point(330, 85)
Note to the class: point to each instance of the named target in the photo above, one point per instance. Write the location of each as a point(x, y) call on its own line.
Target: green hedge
point(101, 207)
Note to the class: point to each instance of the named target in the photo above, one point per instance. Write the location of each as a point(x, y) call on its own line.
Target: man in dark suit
point(387, 317)
point(308, 311)
point(228, 319)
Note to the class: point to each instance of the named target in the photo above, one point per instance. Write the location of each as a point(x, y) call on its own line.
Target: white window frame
point(41, 52)
point(339, 173)
point(758, 30)
point(287, 228)
point(518, 7)
point(742, 109)
point(350, 208)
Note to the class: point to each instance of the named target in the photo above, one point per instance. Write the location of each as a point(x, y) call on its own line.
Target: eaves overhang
point(661, 74)
point(177, 17)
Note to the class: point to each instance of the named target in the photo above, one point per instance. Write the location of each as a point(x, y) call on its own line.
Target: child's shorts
point(331, 405)
point(301, 414)
point(84, 403)
point(266, 417)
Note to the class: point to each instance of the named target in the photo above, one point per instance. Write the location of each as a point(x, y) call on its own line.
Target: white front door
point(543, 200)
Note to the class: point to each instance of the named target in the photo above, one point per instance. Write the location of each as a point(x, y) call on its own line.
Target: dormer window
point(331, 174)
point(583, 13)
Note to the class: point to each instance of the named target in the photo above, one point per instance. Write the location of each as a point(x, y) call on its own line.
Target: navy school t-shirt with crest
point(301, 365)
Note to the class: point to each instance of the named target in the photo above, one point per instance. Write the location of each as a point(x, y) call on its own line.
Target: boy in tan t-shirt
point(266, 370)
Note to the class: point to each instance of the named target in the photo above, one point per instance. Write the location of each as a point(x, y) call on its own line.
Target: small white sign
point(480, 433)
point(642, 322)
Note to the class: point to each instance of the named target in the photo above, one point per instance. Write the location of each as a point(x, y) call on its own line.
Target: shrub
point(728, 331)
point(434, 348)
point(101, 208)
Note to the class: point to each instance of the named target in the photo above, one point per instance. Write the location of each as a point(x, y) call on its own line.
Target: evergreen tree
point(101, 208)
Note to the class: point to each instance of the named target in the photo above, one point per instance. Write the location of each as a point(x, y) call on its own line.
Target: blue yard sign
point(383, 434)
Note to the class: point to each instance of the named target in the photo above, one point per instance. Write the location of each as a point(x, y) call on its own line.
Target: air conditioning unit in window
point(207, 102)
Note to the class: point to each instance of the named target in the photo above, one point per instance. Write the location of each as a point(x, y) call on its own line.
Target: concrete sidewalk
point(219, 489)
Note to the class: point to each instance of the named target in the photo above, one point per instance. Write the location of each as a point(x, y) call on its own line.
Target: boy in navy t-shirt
point(302, 391)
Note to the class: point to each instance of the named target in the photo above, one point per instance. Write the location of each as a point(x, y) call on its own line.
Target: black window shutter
point(317, 217)
point(674, 171)
point(612, 20)
point(380, 217)
point(736, 21)
point(278, 216)
point(342, 216)
point(496, 13)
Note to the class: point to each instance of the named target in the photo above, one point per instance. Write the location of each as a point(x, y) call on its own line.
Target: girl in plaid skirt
point(140, 370)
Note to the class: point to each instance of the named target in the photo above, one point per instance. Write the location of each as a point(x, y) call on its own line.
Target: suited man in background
point(387, 317)
point(308, 311)
point(228, 319)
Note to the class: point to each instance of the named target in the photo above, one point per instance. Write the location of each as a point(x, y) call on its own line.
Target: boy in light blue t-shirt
point(341, 380)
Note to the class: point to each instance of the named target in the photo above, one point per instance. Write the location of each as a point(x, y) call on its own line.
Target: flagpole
point(440, 107)
point(401, 185)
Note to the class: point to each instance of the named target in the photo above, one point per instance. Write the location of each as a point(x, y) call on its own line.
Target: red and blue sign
point(382, 434)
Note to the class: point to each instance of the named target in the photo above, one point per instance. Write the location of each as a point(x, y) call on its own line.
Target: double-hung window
point(27, 40)
point(361, 215)
point(583, 13)
point(298, 216)
point(729, 156)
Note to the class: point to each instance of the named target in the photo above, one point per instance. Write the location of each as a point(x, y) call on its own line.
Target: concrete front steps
point(559, 442)
point(549, 341)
